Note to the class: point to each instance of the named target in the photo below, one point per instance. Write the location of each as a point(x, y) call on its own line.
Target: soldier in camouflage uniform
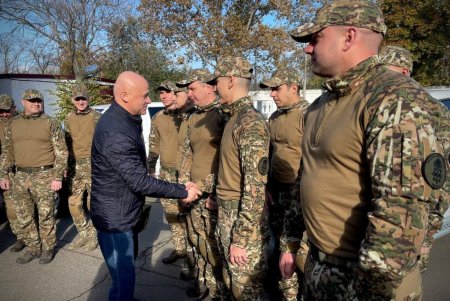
point(397, 59)
point(34, 143)
point(400, 60)
point(79, 127)
point(163, 144)
point(185, 108)
point(7, 111)
point(242, 228)
point(199, 164)
point(283, 188)
point(372, 162)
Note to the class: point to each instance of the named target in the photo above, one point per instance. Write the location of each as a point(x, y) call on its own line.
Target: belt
point(83, 160)
point(34, 169)
point(324, 257)
point(229, 205)
point(169, 169)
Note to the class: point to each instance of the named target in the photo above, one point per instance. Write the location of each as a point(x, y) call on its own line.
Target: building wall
point(16, 87)
point(264, 103)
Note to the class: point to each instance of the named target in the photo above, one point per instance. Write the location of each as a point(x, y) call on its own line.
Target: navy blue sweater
point(119, 175)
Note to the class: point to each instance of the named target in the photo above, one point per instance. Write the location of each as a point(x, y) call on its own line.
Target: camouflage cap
point(282, 76)
point(79, 91)
point(180, 89)
point(233, 66)
point(396, 56)
point(32, 94)
point(201, 75)
point(6, 102)
point(358, 13)
point(166, 85)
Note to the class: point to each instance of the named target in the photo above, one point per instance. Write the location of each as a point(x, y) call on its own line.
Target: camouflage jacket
point(285, 157)
point(201, 146)
point(403, 159)
point(79, 132)
point(163, 139)
point(243, 167)
point(7, 159)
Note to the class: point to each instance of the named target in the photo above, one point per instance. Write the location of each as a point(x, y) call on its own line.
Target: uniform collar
point(209, 107)
point(166, 111)
point(85, 112)
point(33, 116)
point(299, 104)
point(342, 84)
point(239, 104)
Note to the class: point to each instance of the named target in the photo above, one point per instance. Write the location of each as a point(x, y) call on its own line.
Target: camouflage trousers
point(244, 282)
point(11, 211)
point(174, 213)
point(326, 281)
point(79, 182)
point(30, 189)
point(285, 197)
point(201, 230)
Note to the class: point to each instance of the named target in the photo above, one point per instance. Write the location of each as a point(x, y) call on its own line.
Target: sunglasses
point(80, 99)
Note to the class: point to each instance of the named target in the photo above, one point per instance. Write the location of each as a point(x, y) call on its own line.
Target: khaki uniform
point(163, 144)
point(79, 128)
point(200, 163)
point(35, 145)
point(7, 194)
point(363, 194)
point(284, 213)
point(240, 190)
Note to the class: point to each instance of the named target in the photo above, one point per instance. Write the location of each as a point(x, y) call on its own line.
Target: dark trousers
point(119, 251)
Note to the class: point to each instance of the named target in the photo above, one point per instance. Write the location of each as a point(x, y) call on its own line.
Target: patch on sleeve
point(433, 170)
point(263, 166)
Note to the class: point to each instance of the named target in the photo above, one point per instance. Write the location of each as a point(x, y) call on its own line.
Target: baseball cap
point(233, 66)
point(358, 13)
point(6, 102)
point(166, 85)
point(180, 89)
point(201, 75)
point(280, 77)
point(396, 56)
point(32, 94)
point(80, 92)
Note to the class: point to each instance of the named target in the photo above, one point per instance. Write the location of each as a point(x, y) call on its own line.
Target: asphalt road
point(77, 275)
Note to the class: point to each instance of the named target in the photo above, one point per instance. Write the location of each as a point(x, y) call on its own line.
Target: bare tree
point(44, 58)
point(76, 27)
point(9, 53)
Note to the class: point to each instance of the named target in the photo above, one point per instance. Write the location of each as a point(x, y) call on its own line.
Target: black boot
point(46, 257)
point(174, 256)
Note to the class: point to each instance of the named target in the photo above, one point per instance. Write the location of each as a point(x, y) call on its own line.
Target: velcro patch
point(263, 166)
point(434, 171)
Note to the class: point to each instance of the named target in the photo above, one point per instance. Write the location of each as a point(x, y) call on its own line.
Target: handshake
point(193, 192)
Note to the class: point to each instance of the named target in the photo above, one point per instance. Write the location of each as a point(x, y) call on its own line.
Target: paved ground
point(83, 276)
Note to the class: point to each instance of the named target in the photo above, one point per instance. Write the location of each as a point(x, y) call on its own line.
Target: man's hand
point(4, 184)
point(287, 264)
point(238, 255)
point(211, 204)
point(56, 185)
point(193, 192)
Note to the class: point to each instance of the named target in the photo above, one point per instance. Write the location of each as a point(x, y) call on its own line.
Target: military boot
point(174, 256)
point(18, 246)
point(46, 257)
point(91, 244)
point(28, 256)
point(197, 290)
point(80, 242)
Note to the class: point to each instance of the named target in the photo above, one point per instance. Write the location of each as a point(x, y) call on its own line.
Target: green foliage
point(99, 94)
point(422, 27)
point(132, 49)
